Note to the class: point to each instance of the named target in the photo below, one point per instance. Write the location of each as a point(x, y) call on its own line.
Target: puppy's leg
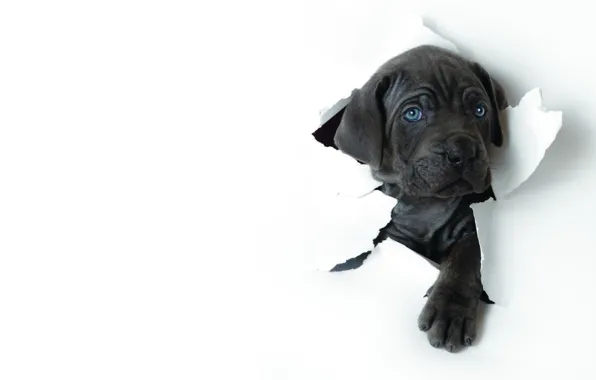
point(449, 316)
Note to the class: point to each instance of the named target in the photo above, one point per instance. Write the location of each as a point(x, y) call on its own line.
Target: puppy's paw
point(449, 317)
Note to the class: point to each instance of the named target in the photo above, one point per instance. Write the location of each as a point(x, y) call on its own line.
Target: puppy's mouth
point(429, 178)
point(459, 186)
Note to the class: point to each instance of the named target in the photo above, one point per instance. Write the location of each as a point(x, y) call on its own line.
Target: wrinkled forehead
point(441, 82)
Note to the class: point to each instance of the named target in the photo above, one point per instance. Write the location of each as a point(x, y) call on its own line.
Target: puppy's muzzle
point(460, 151)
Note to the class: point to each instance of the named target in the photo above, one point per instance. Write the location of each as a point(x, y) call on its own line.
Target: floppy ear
point(498, 103)
point(361, 131)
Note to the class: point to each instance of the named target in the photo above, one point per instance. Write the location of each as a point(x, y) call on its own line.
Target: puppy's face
point(424, 122)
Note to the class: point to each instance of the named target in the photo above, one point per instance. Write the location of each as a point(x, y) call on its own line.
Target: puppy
point(423, 123)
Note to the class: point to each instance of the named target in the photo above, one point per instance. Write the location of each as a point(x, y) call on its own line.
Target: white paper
point(334, 173)
point(528, 130)
point(344, 213)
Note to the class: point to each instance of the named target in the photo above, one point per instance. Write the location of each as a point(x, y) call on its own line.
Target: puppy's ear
point(498, 102)
point(361, 131)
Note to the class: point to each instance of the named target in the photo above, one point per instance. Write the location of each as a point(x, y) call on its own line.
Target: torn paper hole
point(353, 224)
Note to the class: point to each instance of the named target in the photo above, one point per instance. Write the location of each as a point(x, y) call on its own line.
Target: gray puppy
point(423, 123)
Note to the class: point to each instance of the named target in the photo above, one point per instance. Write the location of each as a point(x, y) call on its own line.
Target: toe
point(437, 333)
point(426, 317)
point(469, 332)
point(453, 341)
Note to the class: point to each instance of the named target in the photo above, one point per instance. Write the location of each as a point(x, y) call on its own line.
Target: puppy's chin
point(447, 185)
point(438, 182)
point(463, 186)
point(455, 189)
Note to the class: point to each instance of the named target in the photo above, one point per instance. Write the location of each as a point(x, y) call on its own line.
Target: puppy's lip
point(481, 186)
point(459, 183)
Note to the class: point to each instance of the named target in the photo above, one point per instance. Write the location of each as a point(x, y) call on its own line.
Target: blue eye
point(479, 111)
point(413, 114)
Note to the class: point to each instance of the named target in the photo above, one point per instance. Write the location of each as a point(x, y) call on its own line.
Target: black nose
point(460, 150)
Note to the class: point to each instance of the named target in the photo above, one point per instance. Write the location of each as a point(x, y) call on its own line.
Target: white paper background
point(144, 229)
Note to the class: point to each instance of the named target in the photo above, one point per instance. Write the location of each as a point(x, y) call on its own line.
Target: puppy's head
point(423, 121)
